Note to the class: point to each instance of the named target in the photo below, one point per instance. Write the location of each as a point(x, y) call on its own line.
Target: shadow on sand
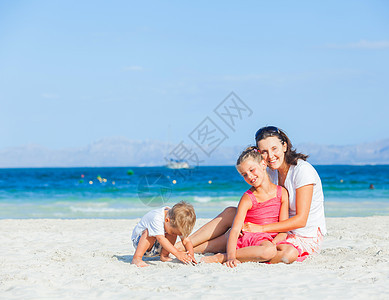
point(128, 258)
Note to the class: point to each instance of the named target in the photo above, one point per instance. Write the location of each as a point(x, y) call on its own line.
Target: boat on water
point(178, 164)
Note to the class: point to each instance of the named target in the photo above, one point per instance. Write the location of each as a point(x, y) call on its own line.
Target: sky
point(73, 72)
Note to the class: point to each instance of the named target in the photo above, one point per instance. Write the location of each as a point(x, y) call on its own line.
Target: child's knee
point(289, 255)
point(269, 252)
point(145, 238)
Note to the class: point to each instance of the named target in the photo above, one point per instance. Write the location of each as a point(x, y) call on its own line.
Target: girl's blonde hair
point(251, 152)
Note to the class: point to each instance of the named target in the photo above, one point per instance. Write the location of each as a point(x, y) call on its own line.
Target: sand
point(88, 259)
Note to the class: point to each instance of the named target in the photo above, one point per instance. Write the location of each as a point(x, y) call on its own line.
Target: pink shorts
point(254, 239)
point(305, 245)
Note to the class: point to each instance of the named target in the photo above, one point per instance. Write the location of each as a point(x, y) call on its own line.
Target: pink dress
point(261, 213)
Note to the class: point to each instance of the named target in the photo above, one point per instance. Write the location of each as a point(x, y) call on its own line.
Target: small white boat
point(178, 164)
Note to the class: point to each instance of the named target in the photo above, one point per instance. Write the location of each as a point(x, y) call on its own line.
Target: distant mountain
point(107, 152)
point(361, 154)
point(124, 152)
point(104, 152)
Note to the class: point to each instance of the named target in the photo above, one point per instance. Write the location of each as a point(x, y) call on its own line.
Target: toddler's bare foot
point(139, 262)
point(217, 258)
point(165, 258)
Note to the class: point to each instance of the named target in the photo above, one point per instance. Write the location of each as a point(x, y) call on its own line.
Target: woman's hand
point(251, 227)
point(232, 263)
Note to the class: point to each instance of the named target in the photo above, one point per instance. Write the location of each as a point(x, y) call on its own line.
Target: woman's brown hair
point(291, 155)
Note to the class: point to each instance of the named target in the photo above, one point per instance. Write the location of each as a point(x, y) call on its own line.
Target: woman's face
point(273, 151)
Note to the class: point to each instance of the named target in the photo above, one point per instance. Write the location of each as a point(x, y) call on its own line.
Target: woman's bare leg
point(213, 229)
point(216, 245)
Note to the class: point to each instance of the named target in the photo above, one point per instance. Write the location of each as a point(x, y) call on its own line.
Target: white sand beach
point(88, 259)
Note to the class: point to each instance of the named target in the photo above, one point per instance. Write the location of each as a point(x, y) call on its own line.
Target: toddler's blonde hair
point(183, 217)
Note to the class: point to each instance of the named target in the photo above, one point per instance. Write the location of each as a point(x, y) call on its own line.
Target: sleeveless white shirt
point(300, 175)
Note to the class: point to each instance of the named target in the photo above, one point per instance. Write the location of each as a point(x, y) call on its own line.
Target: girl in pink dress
point(264, 203)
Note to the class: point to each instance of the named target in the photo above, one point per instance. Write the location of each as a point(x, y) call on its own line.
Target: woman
point(306, 224)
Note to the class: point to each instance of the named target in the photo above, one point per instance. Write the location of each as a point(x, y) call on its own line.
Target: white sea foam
point(89, 209)
point(202, 199)
point(230, 203)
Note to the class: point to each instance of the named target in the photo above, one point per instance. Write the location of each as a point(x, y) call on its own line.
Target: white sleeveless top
point(300, 175)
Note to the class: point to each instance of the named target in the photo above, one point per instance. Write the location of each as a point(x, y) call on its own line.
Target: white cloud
point(133, 68)
point(362, 44)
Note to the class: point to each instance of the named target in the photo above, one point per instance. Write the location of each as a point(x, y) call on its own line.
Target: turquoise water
point(131, 192)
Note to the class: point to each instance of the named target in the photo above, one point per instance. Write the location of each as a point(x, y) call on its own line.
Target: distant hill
point(361, 154)
point(106, 152)
point(125, 152)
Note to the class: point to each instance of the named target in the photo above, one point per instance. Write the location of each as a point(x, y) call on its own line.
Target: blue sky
point(72, 72)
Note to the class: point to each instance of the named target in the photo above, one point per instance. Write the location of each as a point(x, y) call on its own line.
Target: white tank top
point(300, 175)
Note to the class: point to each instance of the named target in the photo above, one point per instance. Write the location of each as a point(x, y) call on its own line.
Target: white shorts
point(305, 245)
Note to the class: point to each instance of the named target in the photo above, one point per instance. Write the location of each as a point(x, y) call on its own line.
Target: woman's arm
point(303, 205)
point(244, 205)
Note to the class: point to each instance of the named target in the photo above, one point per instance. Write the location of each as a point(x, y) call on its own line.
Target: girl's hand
point(251, 227)
point(232, 263)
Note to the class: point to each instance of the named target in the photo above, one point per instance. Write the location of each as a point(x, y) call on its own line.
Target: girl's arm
point(284, 215)
point(303, 205)
point(244, 205)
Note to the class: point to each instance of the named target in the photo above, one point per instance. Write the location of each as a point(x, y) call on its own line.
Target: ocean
point(132, 191)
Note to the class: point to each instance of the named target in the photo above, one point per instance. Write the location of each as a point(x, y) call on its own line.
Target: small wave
point(202, 199)
point(230, 203)
point(103, 209)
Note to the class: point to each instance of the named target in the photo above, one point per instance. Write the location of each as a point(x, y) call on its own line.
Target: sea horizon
point(161, 166)
point(129, 192)
point(124, 152)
